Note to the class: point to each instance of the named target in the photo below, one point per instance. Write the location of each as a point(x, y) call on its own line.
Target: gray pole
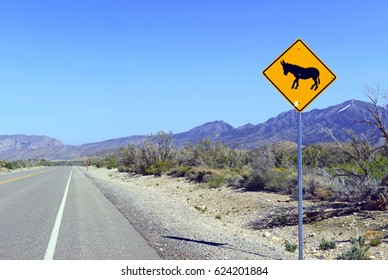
point(300, 207)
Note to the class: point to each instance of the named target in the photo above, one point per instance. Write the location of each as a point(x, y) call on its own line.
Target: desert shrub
point(323, 194)
point(12, 165)
point(358, 181)
point(256, 182)
point(321, 155)
point(292, 186)
point(164, 146)
point(269, 172)
point(281, 155)
point(235, 177)
point(179, 171)
point(290, 246)
point(199, 174)
point(358, 251)
point(147, 155)
point(377, 168)
point(311, 157)
point(279, 180)
point(317, 187)
point(262, 159)
point(364, 167)
point(375, 242)
point(217, 155)
point(327, 245)
point(200, 154)
point(374, 237)
point(153, 157)
point(111, 162)
point(201, 209)
point(98, 162)
point(235, 180)
point(222, 156)
point(186, 156)
point(127, 157)
point(216, 181)
point(122, 168)
point(158, 168)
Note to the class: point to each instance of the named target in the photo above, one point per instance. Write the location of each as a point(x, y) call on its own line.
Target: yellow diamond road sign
point(299, 75)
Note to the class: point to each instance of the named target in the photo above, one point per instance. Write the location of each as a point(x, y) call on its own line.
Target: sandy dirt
point(194, 213)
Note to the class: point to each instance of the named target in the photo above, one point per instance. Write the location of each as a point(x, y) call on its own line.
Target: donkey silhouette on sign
point(301, 73)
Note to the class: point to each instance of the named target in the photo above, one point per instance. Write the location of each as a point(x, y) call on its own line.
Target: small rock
point(320, 256)
point(266, 234)
point(275, 238)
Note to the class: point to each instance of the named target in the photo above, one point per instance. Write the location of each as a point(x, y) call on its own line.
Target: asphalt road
point(58, 213)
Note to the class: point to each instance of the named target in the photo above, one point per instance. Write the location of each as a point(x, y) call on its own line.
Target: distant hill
point(19, 145)
point(211, 130)
point(23, 142)
point(63, 152)
point(339, 119)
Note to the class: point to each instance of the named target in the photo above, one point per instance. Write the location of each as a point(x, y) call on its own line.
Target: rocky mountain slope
point(211, 130)
point(23, 142)
point(339, 119)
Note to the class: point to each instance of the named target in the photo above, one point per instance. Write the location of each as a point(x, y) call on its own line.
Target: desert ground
point(184, 220)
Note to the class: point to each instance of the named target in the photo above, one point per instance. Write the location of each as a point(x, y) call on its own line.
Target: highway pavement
point(58, 213)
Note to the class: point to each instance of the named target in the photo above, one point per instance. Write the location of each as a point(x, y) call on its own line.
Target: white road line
point(54, 234)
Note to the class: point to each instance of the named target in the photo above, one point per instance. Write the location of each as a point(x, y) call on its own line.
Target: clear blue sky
point(86, 71)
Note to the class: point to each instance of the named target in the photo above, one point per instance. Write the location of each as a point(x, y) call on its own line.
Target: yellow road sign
point(299, 75)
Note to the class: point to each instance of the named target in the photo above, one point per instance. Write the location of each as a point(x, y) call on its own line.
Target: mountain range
point(339, 119)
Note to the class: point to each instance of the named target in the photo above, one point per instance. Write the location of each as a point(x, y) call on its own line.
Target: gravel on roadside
point(182, 220)
point(177, 231)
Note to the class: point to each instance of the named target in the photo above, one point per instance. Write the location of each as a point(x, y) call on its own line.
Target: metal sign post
point(300, 201)
point(300, 76)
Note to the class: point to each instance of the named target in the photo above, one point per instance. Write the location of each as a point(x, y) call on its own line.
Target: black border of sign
point(335, 77)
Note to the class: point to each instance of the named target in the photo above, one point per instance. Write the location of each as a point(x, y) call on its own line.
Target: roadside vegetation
point(17, 164)
point(340, 178)
point(6, 166)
